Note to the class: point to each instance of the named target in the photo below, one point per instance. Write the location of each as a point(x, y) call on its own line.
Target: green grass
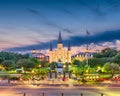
point(3, 75)
point(108, 76)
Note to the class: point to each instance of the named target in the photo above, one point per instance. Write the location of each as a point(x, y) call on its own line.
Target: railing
point(62, 94)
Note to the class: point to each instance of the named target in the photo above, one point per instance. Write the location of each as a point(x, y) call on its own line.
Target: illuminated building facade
point(83, 56)
point(60, 54)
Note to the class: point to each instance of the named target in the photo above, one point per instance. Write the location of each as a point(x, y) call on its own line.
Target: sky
point(34, 24)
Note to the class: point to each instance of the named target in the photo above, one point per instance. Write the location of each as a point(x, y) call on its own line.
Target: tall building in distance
point(60, 54)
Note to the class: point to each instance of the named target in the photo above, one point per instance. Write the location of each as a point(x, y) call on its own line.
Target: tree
point(12, 56)
point(117, 58)
point(44, 63)
point(41, 72)
point(76, 62)
point(53, 65)
point(26, 56)
point(95, 62)
point(111, 67)
point(36, 61)
point(1, 59)
point(97, 55)
point(76, 70)
point(25, 63)
point(107, 52)
point(8, 64)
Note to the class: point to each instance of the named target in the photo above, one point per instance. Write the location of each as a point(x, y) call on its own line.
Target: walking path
point(56, 83)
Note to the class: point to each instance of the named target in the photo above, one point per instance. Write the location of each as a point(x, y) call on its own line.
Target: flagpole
point(87, 33)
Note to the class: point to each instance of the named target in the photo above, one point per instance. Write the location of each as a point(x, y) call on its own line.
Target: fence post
point(43, 94)
point(24, 94)
point(62, 94)
point(81, 94)
point(101, 94)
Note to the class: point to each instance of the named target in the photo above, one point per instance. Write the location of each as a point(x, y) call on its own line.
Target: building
point(83, 56)
point(39, 56)
point(60, 54)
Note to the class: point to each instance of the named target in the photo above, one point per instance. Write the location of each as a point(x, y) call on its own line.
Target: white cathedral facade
point(60, 54)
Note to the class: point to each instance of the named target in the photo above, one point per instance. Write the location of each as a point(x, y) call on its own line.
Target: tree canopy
point(111, 67)
point(25, 63)
point(107, 52)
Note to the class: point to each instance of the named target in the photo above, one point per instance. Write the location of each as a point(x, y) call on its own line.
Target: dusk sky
point(33, 24)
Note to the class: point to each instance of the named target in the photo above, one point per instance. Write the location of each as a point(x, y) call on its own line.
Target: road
point(31, 90)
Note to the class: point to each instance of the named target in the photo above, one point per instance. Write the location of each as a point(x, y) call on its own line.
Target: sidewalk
point(56, 83)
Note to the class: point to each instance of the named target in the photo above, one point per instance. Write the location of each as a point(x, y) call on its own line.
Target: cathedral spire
point(69, 47)
point(50, 46)
point(59, 38)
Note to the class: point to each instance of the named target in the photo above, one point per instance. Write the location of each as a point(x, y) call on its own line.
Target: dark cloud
point(38, 46)
point(113, 4)
point(100, 8)
point(107, 36)
point(66, 11)
point(95, 8)
point(48, 22)
point(35, 12)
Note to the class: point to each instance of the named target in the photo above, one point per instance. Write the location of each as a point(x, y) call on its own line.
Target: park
point(31, 76)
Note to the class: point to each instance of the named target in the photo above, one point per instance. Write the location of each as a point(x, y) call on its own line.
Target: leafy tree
point(25, 63)
point(76, 70)
point(76, 62)
point(111, 67)
point(53, 65)
point(1, 59)
point(26, 56)
point(36, 61)
point(95, 62)
point(8, 55)
point(44, 63)
point(12, 56)
point(97, 55)
point(107, 52)
point(117, 58)
point(8, 64)
point(41, 72)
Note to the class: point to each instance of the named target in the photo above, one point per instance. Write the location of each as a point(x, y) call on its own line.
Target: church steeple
point(59, 38)
point(69, 47)
point(50, 46)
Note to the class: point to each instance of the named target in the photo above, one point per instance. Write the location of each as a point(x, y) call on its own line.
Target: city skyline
point(33, 24)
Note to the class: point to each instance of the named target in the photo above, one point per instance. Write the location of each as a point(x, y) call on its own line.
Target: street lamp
point(39, 66)
point(64, 66)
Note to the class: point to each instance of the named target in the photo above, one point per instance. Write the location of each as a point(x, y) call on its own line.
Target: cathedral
point(60, 54)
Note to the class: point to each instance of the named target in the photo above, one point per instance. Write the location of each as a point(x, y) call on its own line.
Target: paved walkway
point(57, 83)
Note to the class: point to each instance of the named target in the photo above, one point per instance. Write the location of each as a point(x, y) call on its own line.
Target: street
point(31, 90)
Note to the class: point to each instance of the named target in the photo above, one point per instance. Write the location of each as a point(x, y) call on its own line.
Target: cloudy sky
point(33, 24)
